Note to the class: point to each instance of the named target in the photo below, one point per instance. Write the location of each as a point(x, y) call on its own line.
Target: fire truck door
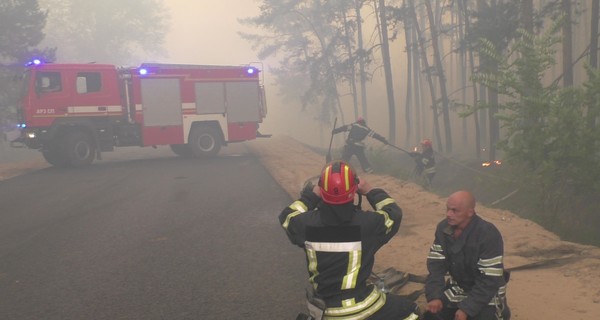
point(243, 102)
point(162, 112)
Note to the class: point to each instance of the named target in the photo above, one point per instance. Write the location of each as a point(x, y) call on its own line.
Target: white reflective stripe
point(430, 170)
point(297, 205)
point(502, 291)
point(435, 256)
point(452, 297)
point(490, 262)
point(188, 105)
point(389, 223)
point(348, 302)
point(360, 310)
point(334, 246)
point(493, 272)
point(311, 256)
point(93, 109)
point(354, 260)
point(383, 203)
point(412, 316)
point(289, 217)
point(457, 294)
point(436, 247)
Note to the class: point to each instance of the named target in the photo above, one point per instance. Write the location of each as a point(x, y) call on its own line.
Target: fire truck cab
point(73, 112)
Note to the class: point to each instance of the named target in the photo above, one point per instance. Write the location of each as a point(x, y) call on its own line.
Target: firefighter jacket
point(425, 161)
point(340, 243)
point(474, 262)
point(357, 133)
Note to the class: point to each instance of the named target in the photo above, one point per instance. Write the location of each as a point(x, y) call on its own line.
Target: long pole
point(328, 157)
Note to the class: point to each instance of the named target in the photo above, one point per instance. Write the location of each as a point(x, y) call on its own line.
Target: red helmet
point(426, 143)
point(361, 120)
point(338, 183)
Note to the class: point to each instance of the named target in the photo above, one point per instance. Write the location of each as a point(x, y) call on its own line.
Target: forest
point(509, 80)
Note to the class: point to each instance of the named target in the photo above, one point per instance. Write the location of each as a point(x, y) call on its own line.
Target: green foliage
point(21, 31)
point(550, 140)
point(310, 38)
point(21, 25)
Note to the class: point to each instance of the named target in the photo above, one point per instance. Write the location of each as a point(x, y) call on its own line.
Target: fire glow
point(492, 163)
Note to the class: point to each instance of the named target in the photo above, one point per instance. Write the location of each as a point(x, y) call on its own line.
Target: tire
point(54, 156)
point(182, 150)
point(205, 141)
point(79, 149)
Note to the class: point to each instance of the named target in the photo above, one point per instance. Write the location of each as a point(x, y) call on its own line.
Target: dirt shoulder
point(9, 170)
point(568, 288)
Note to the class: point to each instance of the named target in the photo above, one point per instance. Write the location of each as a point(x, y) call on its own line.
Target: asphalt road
point(148, 236)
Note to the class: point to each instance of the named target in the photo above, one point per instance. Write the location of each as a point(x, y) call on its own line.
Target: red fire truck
point(73, 112)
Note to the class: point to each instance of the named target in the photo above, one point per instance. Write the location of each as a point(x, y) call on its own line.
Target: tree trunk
point(462, 8)
point(409, 70)
point(352, 77)
point(567, 45)
point(423, 53)
point(387, 68)
point(441, 76)
point(361, 59)
point(592, 113)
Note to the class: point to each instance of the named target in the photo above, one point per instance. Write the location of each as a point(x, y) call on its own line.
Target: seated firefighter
point(357, 132)
point(340, 241)
point(471, 251)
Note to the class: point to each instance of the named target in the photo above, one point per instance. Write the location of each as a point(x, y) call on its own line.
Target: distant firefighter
point(358, 131)
point(425, 160)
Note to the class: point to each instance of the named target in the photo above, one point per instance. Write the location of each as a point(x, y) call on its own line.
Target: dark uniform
point(477, 283)
point(425, 165)
point(340, 243)
point(358, 131)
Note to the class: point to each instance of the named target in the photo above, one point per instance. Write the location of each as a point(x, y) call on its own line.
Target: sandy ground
point(567, 289)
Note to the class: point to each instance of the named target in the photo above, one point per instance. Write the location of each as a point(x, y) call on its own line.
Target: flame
point(491, 163)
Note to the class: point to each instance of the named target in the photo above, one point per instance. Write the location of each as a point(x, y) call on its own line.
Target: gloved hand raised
point(307, 187)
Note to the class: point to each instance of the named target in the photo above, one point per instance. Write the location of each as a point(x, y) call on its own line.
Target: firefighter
point(340, 240)
point(471, 251)
point(358, 131)
point(425, 168)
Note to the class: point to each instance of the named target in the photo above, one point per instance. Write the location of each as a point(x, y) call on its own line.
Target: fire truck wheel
point(54, 157)
point(181, 150)
point(79, 149)
point(204, 141)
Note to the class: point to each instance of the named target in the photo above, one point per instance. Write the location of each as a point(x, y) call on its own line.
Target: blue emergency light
point(34, 62)
point(143, 71)
point(251, 70)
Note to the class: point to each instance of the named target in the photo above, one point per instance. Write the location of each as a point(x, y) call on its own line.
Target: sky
point(206, 32)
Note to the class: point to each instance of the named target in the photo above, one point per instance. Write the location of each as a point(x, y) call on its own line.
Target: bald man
point(471, 251)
